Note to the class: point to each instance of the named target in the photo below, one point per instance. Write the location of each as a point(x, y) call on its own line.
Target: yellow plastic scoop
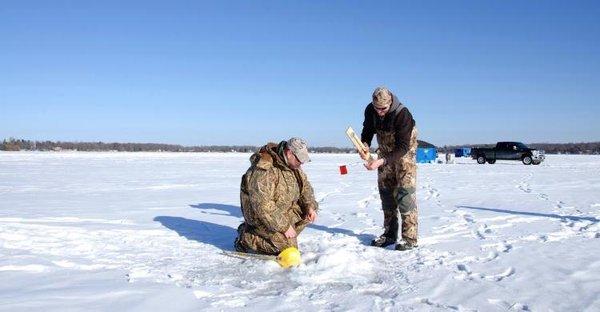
point(289, 257)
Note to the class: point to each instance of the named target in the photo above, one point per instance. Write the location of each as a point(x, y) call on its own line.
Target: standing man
point(277, 200)
point(395, 164)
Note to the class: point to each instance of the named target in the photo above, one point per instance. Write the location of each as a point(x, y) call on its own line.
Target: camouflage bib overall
point(397, 186)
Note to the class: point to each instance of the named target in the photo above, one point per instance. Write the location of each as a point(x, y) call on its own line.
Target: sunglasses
point(297, 159)
point(381, 109)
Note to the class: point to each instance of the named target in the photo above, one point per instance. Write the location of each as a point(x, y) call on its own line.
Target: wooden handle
point(357, 143)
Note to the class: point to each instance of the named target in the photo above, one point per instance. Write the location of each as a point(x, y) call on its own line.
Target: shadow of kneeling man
point(219, 209)
point(220, 236)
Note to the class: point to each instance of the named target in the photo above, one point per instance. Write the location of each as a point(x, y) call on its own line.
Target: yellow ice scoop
point(289, 257)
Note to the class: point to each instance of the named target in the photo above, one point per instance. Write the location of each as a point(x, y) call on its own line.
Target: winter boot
point(405, 246)
point(383, 241)
point(390, 234)
point(237, 243)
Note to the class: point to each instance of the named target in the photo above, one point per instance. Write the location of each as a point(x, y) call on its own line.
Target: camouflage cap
point(299, 148)
point(382, 97)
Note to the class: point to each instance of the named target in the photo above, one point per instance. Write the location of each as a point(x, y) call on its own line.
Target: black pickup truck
point(508, 151)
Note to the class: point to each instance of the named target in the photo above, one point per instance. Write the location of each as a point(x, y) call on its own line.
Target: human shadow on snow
point(217, 235)
point(236, 211)
point(209, 208)
point(536, 214)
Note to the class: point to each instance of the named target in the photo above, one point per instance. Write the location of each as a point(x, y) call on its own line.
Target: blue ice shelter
point(426, 155)
point(462, 152)
point(426, 152)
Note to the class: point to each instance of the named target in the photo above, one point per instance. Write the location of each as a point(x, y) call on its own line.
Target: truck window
point(521, 146)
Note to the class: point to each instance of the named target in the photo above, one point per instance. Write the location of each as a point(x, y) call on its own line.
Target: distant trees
point(12, 144)
point(569, 148)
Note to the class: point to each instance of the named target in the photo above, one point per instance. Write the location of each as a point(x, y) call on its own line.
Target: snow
point(148, 231)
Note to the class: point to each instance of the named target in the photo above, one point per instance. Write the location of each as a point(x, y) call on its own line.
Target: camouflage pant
point(260, 240)
point(397, 182)
point(270, 243)
point(397, 190)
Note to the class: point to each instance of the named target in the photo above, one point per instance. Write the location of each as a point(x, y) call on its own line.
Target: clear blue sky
point(199, 73)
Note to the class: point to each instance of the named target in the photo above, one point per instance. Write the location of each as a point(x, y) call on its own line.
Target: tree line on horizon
point(13, 144)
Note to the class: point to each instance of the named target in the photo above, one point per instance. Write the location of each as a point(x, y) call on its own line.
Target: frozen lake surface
point(146, 231)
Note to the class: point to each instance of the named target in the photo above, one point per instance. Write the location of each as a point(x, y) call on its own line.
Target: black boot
point(237, 244)
point(383, 241)
point(405, 246)
point(390, 224)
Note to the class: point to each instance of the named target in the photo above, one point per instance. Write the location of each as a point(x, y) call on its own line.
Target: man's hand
point(364, 154)
point(374, 164)
point(311, 215)
point(290, 233)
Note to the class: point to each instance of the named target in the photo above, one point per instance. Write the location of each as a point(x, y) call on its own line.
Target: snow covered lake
point(146, 231)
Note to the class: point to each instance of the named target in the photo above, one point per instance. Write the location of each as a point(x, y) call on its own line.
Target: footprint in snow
point(523, 186)
point(498, 277)
point(468, 218)
point(499, 247)
point(466, 274)
point(482, 232)
point(543, 238)
point(462, 214)
point(428, 302)
point(364, 203)
point(509, 306)
point(504, 247)
point(492, 255)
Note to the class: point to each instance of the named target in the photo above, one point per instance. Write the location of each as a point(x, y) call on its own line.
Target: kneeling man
point(277, 200)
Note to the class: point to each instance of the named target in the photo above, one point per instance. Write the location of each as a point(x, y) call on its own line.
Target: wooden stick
point(357, 143)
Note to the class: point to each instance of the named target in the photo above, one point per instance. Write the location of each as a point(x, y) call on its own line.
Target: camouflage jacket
point(272, 195)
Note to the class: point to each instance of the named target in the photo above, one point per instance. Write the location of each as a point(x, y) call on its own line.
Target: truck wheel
point(527, 160)
point(481, 160)
point(491, 161)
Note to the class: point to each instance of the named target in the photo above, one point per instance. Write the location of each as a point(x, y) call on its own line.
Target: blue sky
point(200, 73)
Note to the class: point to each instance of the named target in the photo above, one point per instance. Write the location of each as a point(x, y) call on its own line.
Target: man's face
point(293, 161)
point(381, 111)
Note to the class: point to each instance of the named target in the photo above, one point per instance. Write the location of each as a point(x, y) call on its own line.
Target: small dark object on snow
point(383, 241)
point(404, 246)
